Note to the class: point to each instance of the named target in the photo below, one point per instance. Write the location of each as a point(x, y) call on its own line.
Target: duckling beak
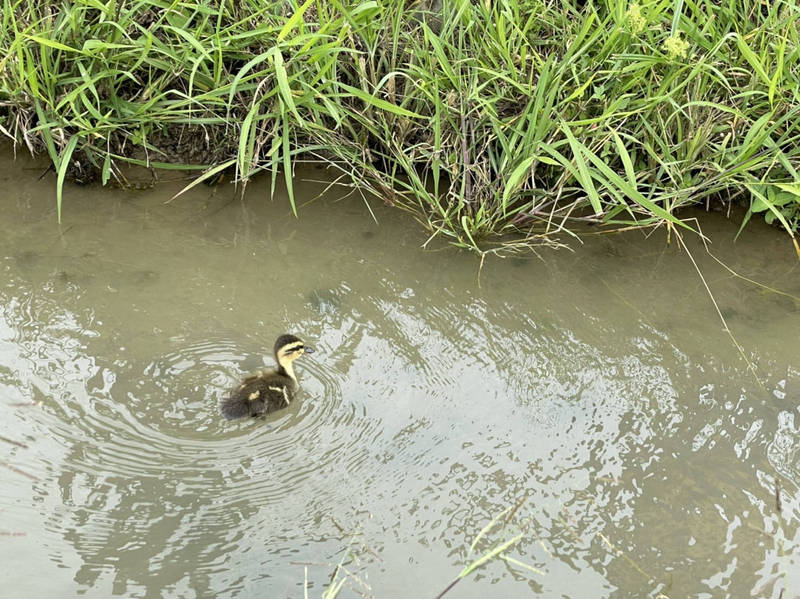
point(308, 349)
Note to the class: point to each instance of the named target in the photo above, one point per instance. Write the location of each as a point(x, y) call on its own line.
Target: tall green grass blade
point(614, 180)
point(247, 142)
point(209, 174)
point(584, 178)
point(294, 20)
point(283, 84)
point(287, 162)
point(438, 50)
point(62, 165)
point(627, 163)
point(516, 176)
point(53, 44)
point(778, 75)
point(378, 102)
point(241, 73)
point(47, 135)
point(752, 59)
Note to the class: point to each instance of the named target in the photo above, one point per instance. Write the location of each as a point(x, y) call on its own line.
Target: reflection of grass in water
point(16, 444)
point(481, 118)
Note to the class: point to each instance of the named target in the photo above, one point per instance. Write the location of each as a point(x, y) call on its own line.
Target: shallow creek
point(595, 393)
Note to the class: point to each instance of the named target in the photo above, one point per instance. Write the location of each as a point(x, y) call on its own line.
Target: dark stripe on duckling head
point(285, 340)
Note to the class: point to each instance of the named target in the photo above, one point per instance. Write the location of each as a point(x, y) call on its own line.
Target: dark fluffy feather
point(262, 393)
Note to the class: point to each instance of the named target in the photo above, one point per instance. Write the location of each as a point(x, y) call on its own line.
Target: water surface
point(594, 391)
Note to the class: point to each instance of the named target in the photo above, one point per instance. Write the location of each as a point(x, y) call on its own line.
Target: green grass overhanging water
point(499, 124)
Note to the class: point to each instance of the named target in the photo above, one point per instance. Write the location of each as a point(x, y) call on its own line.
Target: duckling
point(270, 390)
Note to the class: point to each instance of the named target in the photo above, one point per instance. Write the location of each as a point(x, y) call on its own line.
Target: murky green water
point(599, 386)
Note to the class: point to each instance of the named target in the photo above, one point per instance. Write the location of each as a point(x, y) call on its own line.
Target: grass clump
point(527, 118)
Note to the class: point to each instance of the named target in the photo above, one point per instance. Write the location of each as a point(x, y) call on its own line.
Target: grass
point(499, 124)
point(496, 550)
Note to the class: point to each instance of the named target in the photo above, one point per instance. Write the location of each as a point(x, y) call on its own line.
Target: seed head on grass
point(636, 20)
point(676, 47)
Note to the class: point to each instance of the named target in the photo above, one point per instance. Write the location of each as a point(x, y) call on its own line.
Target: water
point(594, 393)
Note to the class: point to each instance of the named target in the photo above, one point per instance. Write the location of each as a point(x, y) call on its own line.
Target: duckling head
point(287, 349)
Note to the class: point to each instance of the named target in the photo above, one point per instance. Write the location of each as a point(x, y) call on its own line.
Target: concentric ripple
point(597, 410)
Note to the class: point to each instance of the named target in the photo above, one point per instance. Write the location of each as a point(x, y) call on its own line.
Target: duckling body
point(261, 393)
point(268, 391)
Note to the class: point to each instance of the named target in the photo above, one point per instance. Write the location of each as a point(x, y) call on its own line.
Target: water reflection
point(599, 390)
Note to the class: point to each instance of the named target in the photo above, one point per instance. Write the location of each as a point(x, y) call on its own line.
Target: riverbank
point(498, 125)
